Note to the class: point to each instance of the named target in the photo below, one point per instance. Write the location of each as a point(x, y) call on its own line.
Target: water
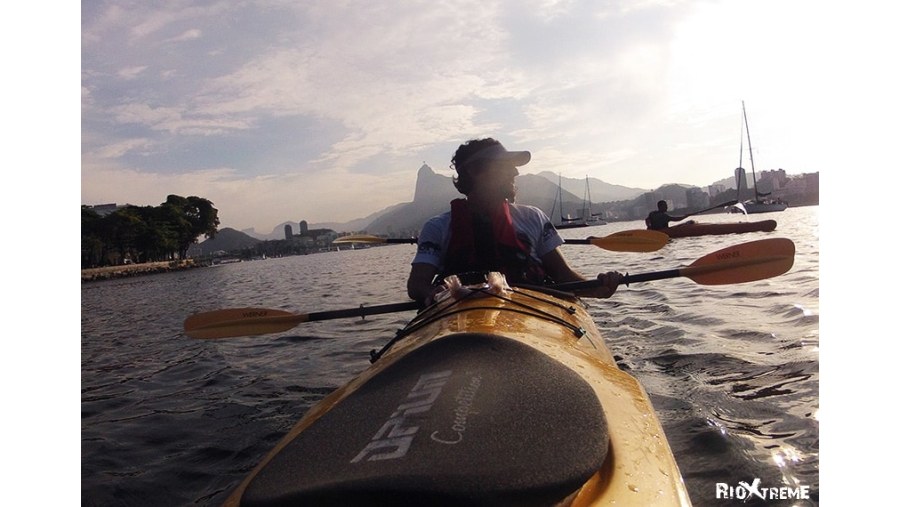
point(733, 371)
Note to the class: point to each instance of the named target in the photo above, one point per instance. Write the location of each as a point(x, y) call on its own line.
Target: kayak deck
point(502, 399)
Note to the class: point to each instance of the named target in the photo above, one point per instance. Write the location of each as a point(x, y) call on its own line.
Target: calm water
point(733, 371)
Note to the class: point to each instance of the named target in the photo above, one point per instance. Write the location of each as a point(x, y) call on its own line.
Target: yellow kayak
point(507, 398)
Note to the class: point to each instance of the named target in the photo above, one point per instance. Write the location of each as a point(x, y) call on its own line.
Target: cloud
point(131, 72)
point(192, 34)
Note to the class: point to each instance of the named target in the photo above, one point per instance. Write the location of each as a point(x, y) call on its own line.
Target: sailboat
point(565, 222)
point(590, 217)
point(760, 203)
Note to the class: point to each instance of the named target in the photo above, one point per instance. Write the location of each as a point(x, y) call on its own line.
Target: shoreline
point(130, 270)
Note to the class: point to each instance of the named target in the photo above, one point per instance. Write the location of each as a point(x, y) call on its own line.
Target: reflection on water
point(732, 370)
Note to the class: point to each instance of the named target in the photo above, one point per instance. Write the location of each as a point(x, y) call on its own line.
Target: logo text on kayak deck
point(746, 491)
point(395, 436)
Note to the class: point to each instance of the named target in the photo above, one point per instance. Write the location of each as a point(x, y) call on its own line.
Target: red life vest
point(481, 244)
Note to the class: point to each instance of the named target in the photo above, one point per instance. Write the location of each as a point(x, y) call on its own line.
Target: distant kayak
point(699, 229)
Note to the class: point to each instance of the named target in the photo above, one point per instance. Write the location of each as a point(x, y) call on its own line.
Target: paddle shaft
point(362, 311)
point(409, 241)
point(729, 203)
point(626, 279)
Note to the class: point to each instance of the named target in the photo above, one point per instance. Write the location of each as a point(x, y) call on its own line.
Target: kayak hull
point(701, 229)
point(620, 458)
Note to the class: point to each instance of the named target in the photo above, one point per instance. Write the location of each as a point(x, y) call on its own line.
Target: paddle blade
point(747, 262)
point(632, 241)
point(366, 238)
point(240, 322)
point(359, 238)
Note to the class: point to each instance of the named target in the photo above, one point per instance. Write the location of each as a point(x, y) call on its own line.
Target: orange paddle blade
point(240, 322)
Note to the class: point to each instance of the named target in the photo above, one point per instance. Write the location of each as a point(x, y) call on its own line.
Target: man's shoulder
point(436, 224)
point(438, 219)
point(525, 209)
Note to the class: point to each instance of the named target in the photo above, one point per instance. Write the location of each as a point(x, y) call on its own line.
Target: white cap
point(499, 153)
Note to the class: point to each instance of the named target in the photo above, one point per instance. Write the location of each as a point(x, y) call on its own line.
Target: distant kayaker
point(660, 218)
point(487, 232)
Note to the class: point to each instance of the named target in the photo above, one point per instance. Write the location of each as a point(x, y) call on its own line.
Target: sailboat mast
point(750, 149)
point(586, 200)
point(739, 174)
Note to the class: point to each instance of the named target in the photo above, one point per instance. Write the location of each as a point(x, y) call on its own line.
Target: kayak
point(700, 229)
point(504, 397)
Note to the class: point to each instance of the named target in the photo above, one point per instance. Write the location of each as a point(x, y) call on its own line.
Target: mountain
point(358, 224)
point(600, 190)
point(226, 239)
point(432, 197)
point(277, 232)
point(434, 193)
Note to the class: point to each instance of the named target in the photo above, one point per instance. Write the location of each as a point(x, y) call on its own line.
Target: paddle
point(622, 241)
point(365, 238)
point(627, 241)
point(746, 262)
point(253, 321)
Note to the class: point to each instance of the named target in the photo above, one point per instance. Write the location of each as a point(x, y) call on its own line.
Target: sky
point(280, 110)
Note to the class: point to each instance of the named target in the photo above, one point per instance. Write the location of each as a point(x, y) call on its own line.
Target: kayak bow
point(508, 399)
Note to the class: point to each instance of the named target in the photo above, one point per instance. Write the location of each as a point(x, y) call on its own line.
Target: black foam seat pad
point(469, 419)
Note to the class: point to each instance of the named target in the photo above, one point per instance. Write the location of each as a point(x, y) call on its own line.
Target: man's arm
point(419, 285)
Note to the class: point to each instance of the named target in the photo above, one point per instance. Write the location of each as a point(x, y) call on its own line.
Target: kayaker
point(486, 231)
point(660, 218)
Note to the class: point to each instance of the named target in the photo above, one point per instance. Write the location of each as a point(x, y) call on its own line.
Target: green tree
point(93, 248)
point(200, 218)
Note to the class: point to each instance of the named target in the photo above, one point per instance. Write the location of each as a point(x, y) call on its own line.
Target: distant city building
point(697, 198)
point(106, 209)
point(716, 189)
point(304, 228)
point(740, 178)
point(773, 180)
point(288, 231)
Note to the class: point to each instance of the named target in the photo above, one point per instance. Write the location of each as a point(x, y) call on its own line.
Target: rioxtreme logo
point(745, 491)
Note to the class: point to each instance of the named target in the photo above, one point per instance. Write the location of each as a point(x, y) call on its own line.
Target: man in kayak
point(660, 218)
point(486, 231)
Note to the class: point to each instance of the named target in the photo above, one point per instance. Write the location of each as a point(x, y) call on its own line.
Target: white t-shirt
point(533, 227)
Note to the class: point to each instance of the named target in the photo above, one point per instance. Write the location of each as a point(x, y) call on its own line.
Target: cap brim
point(498, 153)
point(519, 157)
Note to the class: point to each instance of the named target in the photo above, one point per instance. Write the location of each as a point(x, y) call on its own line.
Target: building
point(697, 198)
point(106, 209)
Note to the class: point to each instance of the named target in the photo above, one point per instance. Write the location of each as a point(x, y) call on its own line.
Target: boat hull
point(764, 207)
point(571, 226)
point(701, 229)
point(620, 458)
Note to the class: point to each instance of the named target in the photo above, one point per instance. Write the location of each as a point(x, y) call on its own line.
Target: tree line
point(146, 233)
